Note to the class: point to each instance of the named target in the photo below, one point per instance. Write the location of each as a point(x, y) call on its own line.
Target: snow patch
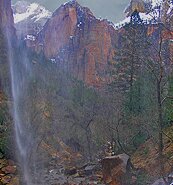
point(122, 23)
point(156, 3)
point(69, 2)
point(146, 18)
point(53, 60)
point(170, 8)
point(35, 11)
point(150, 17)
point(30, 37)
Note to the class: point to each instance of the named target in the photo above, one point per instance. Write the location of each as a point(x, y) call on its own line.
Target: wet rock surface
point(114, 169)
point(57, 174)
point(8, 172)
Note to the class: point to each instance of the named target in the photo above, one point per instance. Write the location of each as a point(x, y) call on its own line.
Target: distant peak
point(72, 3)
point(24, 10)
point(81, 11)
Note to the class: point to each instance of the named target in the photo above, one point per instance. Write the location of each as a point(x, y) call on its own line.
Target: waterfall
point(20, 72)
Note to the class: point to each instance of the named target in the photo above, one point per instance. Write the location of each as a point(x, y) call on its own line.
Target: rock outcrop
point(80, 43)
point(6, 16)
point(115, 169)
point(135, 5)
point(8, 172)
point(7, 30)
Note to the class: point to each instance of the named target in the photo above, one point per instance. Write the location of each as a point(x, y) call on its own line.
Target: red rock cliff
point(80, 43)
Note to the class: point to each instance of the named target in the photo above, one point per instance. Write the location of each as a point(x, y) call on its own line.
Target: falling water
point(20, 72)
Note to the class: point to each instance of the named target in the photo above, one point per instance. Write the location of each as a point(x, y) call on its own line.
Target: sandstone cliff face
point(135, 5)
point(167, 38)
point(6, 16)
point(6, 29)
point(83, 45)
point(89, 52)
point(80, 43)
point(58, 29)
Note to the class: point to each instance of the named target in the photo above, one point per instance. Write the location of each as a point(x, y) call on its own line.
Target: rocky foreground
point(108, 171)
point(8, 172)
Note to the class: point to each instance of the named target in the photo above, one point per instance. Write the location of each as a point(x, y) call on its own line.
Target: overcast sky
point(110, 9)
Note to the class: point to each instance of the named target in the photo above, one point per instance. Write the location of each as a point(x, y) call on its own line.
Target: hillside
point(84, 101)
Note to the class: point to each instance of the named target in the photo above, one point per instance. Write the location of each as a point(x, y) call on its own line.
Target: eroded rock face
point(80, 43)
point(89, 52)
point(6, 30)
point(58, 29)
point(135, 5)
point(6, 16)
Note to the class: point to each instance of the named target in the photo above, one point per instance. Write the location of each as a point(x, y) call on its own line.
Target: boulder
point(159, 182)
point(70, 171)
point(3, 163)
point(11, 162)
point(6, 179)
point(9, 169)
point(14, 181)
point(89, 170)
point(1, 174)
point(115, 168)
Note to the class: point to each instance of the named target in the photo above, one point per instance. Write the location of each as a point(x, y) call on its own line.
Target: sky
point(109, 9)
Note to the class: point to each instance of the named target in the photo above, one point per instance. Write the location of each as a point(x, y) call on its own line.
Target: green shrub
point(4, 144)
point(146, 151)
point(142, 179)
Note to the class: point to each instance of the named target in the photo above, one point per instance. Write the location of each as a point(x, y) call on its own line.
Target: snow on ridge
point(69, 2)
point(35, 11)
point(146, 17)
point(170, 8)
point(122, 23)
point(156, 3)
point(30, 37)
